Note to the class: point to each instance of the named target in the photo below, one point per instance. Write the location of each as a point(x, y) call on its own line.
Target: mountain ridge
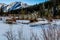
point(12, 6)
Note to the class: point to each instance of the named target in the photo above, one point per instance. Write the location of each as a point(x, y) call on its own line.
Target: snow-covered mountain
point(2, 5)
point(13, 6)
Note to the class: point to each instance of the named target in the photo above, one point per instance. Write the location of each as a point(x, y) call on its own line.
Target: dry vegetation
point(49, 33)
point(52, 33)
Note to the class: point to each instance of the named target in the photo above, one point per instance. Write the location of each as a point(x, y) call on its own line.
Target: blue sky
point(30, 2)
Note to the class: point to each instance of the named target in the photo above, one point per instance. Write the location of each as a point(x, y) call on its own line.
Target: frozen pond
point(25, 28)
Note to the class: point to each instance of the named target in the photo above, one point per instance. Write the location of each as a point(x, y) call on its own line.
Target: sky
point(30, 2)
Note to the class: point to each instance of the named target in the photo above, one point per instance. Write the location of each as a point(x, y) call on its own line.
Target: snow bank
point(56, 21)
point(22, 21)
point(40, 22)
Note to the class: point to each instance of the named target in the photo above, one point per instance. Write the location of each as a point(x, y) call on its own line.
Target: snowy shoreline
point(40, 21)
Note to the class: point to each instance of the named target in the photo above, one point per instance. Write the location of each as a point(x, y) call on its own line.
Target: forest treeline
point(45, 9)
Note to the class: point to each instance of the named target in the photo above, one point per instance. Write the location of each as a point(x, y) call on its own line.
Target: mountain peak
point(13, 6)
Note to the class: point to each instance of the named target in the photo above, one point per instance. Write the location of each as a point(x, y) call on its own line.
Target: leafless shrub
point(33, 36)
point(51, 33)
point(20, 34)
point(9, 35)
point(12, 36)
